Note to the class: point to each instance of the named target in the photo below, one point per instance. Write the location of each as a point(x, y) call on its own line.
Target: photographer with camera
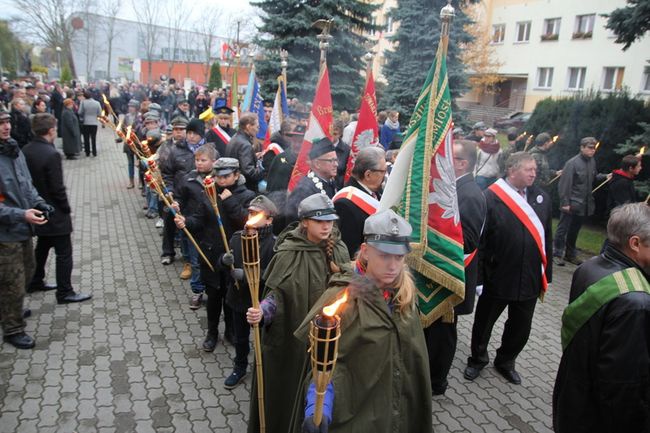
point(44, 163)
point(21, 208)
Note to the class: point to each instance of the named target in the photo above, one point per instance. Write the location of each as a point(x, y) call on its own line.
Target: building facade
point(129, 58)
point(557, 48)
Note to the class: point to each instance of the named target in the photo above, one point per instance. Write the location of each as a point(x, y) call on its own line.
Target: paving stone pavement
point(129, 359)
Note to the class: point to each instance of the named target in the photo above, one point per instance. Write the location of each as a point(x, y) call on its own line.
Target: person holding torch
point(380, 382)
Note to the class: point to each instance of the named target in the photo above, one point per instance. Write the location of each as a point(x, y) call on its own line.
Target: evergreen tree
point(66, 74)
point(288, 24)
point(215, 81)
point(417, 39)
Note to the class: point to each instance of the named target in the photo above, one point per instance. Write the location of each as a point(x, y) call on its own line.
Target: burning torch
point(324, 334)
point(250, 246)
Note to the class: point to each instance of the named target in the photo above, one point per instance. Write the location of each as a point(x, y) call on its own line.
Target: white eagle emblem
point(365, 139)
point(444, 188)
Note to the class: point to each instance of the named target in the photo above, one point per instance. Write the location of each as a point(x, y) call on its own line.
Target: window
point(577, 78)
point(584, 26)
point(389, 23)
point(544, 78)
point(613, 78)
point(523, 31)
point(645, 85)
point(551, 29)
point(498, 33)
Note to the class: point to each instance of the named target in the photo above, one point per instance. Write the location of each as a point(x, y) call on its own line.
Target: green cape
point(381, 379)
point(297, 276)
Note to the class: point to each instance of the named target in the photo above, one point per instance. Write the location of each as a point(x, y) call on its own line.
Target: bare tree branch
point(148, 14)
point(110, 8)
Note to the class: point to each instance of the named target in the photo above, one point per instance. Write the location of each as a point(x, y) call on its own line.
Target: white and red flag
point(320, 126)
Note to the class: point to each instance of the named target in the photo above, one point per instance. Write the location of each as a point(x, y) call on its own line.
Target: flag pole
point(369, 59)
point(324, 37)
point(284, 55)
point(447, 14)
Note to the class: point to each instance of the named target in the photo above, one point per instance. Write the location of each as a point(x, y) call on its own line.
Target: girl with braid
point(308, 253)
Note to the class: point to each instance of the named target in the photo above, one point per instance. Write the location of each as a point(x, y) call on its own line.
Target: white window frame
point(389, 23)
point(556, 22)
point(610, 85)
point(545, 74)
point(588, 20)
point(645, 82)
point(502, 34)
point(580, 79)
point(526, 30)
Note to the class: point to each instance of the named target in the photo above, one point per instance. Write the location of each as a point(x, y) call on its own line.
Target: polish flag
point(320, 126)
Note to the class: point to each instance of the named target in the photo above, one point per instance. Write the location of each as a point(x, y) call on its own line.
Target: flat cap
point(4, 114)
point(491, 131)
point(588, 141)
point(151, 115)
point(321, 147)
point(155, 107)
point(225, 166)
point(262, 203)
point(134, 103)
point(388, 232)
point(317, 207)
point(154, 135)
point(479, 125)
point(179, 122)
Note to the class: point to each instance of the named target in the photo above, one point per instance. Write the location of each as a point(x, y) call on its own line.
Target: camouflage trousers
point(16, 269)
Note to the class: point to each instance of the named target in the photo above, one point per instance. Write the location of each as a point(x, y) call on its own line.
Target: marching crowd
point(327, 236)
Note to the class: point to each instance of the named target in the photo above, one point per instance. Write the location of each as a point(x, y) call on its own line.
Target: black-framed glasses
point(329, 161)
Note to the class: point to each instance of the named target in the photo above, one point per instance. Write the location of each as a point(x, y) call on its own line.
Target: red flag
point(367, 132)
point(320, 126)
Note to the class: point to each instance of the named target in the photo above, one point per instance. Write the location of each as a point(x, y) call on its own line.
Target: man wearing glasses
point(323, 165)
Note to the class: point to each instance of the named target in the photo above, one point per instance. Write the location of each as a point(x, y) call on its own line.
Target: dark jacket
point(304, 189)
point(511, 262)
point(241, 148)
point(342, 154)
point(178, 161)
point(21, 129)
point(44, 163)
point(219, 144)
point(603, 382)
point(279, 172)
point(576, 183)
point(351, 220)
point(239, 299)
point(18, 193)
point(621, 190)
point(267, 159)
point(472, 209)
point(70, 132)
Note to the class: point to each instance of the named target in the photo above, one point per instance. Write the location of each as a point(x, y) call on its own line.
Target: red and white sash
point(275, 148)
point(524, 213)
point(467, 259)
point(361, 199)
point(223, 135)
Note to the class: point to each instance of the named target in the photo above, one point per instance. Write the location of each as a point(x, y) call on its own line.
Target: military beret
point(388, 232)
point(317, 207)
point(321, 147)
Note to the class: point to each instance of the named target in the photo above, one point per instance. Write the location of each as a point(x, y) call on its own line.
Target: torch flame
point(330, 310)
point(103, 113)
point(104, 98)
point(597, 145)
point(128, 132)
point(556, 138)
point(119, 125)
point(642, 151)
point(255, 219)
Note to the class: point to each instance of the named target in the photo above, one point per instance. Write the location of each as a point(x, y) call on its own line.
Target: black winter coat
point(44, 163)
point(239, 299)
point(351, 220)
point(511, 262)
point(267, 159)
point(241, 148)
point(177, 162)
point(219, 144)
point(603, 382)
point(342, 154)
point(304, 189)
point(472, 209)
point(279, 172)
point(621, 191)
point(21, 129)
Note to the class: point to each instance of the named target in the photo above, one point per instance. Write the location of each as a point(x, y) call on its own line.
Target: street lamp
point(58, 60)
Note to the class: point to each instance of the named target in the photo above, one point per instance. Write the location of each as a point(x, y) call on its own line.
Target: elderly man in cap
point(602, 383)
point(308, 253)
point(576, 200)
point(543, 144)
point(323, 165)
point(381, 381)
point(478, 132)
point(182, 109)
point(238, 298)
point(487, 162)
point(21, 208)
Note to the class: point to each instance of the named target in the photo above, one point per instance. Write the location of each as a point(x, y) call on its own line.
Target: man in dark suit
point(44, 164)
point(441, 337)
point(516, 253)
point(360, 198)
